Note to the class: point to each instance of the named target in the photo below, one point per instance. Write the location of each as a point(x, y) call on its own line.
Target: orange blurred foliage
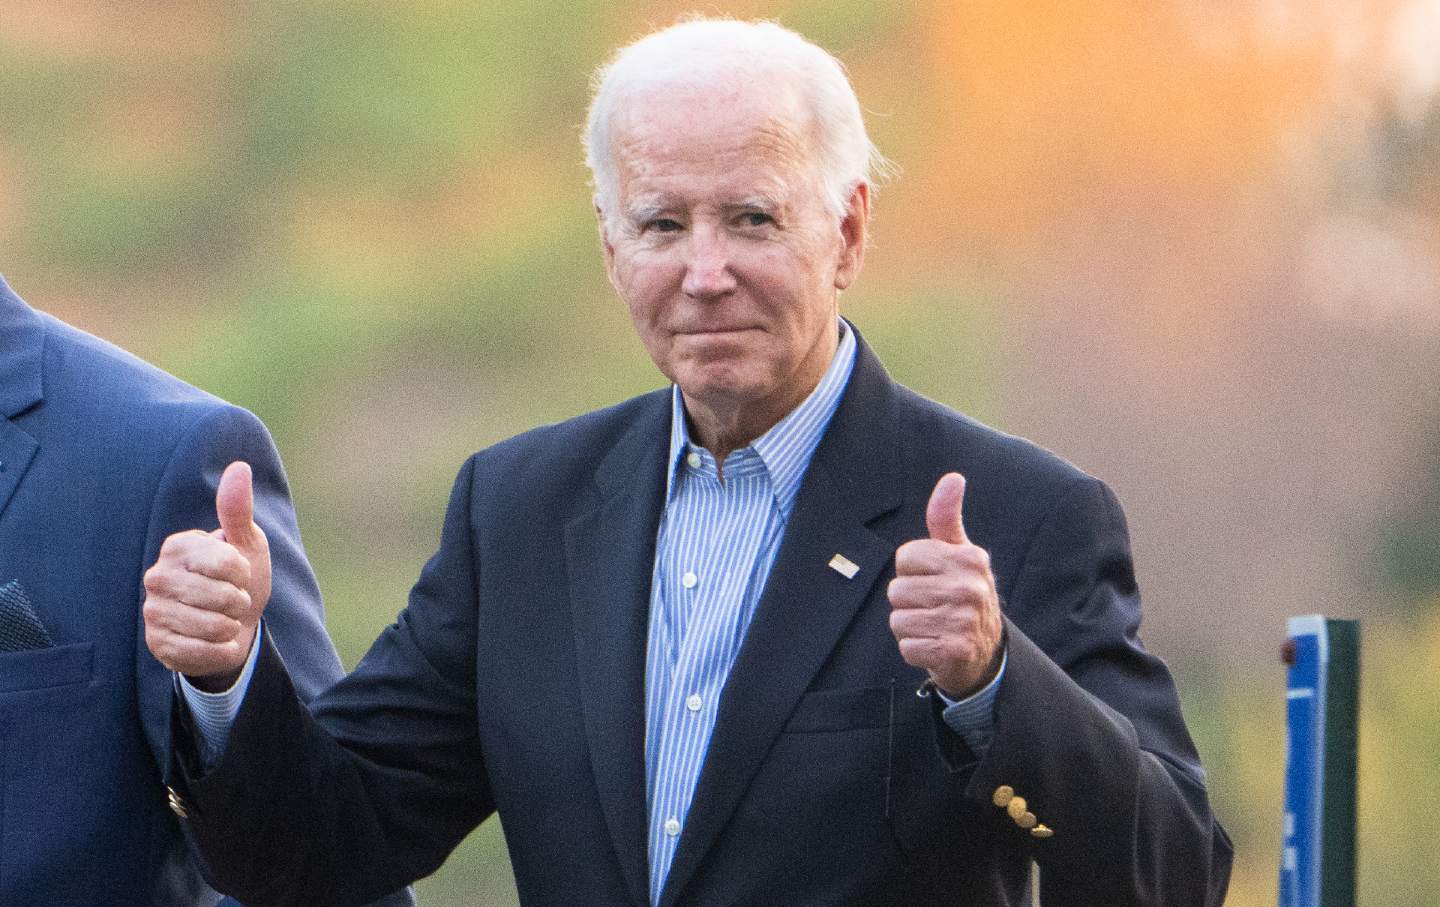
point(1063, 106)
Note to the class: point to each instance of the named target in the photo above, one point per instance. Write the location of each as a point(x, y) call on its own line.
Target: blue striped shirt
point(716, 544)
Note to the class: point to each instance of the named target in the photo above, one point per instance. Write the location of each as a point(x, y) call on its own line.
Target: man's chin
point(718, 387)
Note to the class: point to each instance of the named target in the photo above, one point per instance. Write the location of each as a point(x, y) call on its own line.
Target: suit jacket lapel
point(610, 554)
point(806, 605)
point(22, 345)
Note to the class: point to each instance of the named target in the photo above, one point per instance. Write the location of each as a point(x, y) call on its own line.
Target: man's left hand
point(946, 612)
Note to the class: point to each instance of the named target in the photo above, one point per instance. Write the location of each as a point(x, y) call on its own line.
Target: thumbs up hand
point(205, 594)
point(945, 610)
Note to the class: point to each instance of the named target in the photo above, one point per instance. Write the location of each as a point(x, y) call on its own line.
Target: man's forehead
point(661, 130)
point(666, 116)
point(758, 174)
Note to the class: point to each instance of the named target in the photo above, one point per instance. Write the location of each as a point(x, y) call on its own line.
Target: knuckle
point(946, 657)
point(236, 603)
point(179, 542)
point(897, 623)
point(905, 558)
point(908, 652)
point(953, 589)
point(961, 621)
point(201, 631)
point(962, 589)
point(907, 594)
point(206, 556)
point(227, 604)
point(221, 631)
point(159, 580)
point(235, 564)
point(981, 590)
point(926, 653)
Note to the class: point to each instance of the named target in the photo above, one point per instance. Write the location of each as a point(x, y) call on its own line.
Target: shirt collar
point(787, 447)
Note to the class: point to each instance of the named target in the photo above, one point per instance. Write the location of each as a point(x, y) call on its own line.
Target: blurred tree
point(1411, 536)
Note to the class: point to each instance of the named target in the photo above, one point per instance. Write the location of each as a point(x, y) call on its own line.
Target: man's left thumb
point(235, 505)
point(942, 514)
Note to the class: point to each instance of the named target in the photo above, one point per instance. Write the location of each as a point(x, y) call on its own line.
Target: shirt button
point(693, 459)
point(689, 580)
point(694, 702)
point(672, 827)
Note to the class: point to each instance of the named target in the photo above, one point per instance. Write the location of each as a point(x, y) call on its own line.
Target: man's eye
point(663, 225)
point(756, 219)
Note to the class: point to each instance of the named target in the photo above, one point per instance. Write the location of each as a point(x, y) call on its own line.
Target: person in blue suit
point(103, 456)
point(675, 644)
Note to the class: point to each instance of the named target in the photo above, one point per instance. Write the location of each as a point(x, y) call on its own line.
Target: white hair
point(701, 52)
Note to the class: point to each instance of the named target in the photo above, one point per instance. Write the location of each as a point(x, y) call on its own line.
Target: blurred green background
point(1193, 247)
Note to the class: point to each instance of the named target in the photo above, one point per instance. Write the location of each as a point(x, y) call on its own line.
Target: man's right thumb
point(235, 505)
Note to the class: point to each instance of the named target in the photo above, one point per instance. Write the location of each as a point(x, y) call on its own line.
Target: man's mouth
point(715, 331)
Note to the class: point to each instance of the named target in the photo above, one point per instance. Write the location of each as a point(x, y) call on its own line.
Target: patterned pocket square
point(20, 628)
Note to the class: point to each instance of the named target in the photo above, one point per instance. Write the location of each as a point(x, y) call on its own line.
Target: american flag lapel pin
point(844, 566)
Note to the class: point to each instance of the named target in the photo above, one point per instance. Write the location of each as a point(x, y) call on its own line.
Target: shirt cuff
point(973, 717)
point(214, 713)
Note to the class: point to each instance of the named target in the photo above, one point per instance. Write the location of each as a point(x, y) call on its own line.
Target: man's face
point(725, 252)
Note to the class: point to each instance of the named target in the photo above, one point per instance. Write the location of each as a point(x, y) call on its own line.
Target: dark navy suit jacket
point(513, 683)
point(101, 457)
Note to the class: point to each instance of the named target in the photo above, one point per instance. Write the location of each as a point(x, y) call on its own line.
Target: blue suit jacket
point(514, 683)
point(101, 457)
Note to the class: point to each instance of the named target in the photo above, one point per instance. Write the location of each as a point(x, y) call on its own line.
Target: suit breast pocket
point(854, 708)
point(41, 669)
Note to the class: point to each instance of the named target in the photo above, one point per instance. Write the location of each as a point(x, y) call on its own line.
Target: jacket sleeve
point(377, 786)
point(185, 499)
point(1089, 731)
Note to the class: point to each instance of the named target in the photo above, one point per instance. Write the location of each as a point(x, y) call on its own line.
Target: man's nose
point(707, 271)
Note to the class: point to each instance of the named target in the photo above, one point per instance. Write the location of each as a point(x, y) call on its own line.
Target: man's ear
point(852, 234)
point(605, 243)
point(606, 246)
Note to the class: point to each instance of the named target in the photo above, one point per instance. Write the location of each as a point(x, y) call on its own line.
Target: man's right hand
point(205, 595)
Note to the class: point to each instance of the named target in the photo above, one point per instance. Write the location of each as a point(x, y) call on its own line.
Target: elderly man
point(676, 644)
